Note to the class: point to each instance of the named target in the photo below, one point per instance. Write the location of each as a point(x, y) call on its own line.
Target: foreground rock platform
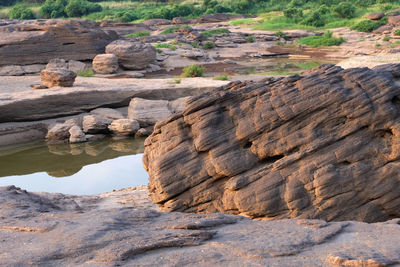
point(124, 228)
point(24, 104)
point(320, 146)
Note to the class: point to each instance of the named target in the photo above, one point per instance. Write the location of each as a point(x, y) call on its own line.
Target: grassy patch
point(213, 32)
point(138, 34)
point(223, 77)
point(325, 40)
point(208, 45)
point(238, 22)
point(165, 45)
point(86, 73)
point(174, 28)
point(193, 71)
point(368, 25)
point(308, 65)
point(386, 39)
point(250, 39)
point(397, 32)
point(175, 81)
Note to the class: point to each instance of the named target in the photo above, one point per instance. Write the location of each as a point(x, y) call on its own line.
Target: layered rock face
point(38, 41)
point(324, 145)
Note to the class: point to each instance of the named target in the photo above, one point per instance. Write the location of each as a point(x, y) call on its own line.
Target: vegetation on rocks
point(325, 40)
point(368, 25)
point(217, 31)
point(20, 11)
point(174, 28)
point(86, 73)
point(208, 45)
point(138, 34)
point(193, 71)
point(165, 45)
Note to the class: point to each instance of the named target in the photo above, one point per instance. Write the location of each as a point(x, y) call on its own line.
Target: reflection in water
point(86, 168)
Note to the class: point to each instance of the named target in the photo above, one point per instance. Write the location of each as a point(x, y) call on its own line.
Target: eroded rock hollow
point(323, 145)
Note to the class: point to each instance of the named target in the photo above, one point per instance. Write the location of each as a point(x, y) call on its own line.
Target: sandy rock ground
point(124, 228)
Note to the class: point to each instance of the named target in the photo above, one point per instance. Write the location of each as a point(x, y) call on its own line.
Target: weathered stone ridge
point(324, 145)
point(39, 41)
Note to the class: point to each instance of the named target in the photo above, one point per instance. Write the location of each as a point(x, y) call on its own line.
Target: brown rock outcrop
point(38, 41)
point(324, 145)
point(375, 16)
point(57, 77)
point(105, 63)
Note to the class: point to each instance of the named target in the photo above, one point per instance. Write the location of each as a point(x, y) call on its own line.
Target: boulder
point(105, 63)
point(107, 113)
point(143, 132)
point(76, 135)
point(375, 16)
point(394, 20)
point(77, 66)
point(93, 124)
point(323, 145)
point(38, 41)
point(60, 131)
point(193, 53)
point(132, 55)
point(124, 127)
point(57, 63)
point(148, 112)
point(57, 77)
point(12, 70)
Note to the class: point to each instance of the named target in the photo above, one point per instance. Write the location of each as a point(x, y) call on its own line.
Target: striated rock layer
point(38, 41)
point(124, 228)
point(324, 145)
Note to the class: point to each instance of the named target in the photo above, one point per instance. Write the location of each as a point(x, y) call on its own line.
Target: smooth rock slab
point(124, 228)
point(57, 77)
point(324, 145)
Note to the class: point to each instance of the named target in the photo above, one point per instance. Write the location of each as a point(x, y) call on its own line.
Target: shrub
point(315, 19)
point(193, 71)
point(20, 11)
point(323, 9)
point(223, 77)
point(250, 39)
point(138, 34)
point(53, 9)
point(368, 25)
point(165, 45)
point(325, 40)
point(386, 39)
point(208, 45)
point(78, 8)
point(194, 44)
point(397, 32)
point(344, 10)
point(293, 13)
point(281, 35)
point(86, 73)
point(212, 32)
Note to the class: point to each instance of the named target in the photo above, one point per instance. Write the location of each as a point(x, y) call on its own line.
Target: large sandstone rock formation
point(324, 145)
point(38, 41)
point(123, 228)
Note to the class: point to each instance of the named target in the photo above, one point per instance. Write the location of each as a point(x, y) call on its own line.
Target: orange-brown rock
point(323, 145)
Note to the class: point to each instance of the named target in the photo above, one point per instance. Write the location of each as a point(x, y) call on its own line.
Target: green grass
point(386, 39)
point(138, 34)
point(317, 41)
point(86, 73)
point(165, 45)
point(308, 65)
point(250, 39)
point(397, 32)
point(223, 77)
point(213, 32)
point(368, 25)
point(193, 71)
point(238, 22)
point(208, 45)
point(175, 81)
point(174, 28)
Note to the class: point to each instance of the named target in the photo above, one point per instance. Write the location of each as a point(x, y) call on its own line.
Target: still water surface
point(87, 168)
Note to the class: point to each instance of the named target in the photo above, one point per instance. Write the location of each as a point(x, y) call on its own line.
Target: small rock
point(193, 53)
point(375, 16)
point(132, 55)
point(94, 137)
point(76, 135)
point(153, 68)
point(57, 77)
point(124, 127)
point(57, 63)
point(77, 66)
point(107, 113)
point(105, 63)
point(38, 86)
point(93, 124)
point(33, 69)
point(143, 132)
point(60, 131)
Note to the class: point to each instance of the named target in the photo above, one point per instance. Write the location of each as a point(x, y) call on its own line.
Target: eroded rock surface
point(324, 145)
point(124, 228)
point(57, 77)
point(38, 41)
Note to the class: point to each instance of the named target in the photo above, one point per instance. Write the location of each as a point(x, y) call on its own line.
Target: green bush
point(386, 39)
point(165, 45)
point(223, 77)
point(368, 25)
point(20, 11)
point(194, 44)
point(53, 9)
point(281, 35)
point(193, 71)
point(293, 13)
point(325, 40)
point(397, 32)
point(250, 39)
point(212, 32)
point(78, 8)
point(344, 10)
point(323, 9)
point(208, 45)
point(315, 19)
